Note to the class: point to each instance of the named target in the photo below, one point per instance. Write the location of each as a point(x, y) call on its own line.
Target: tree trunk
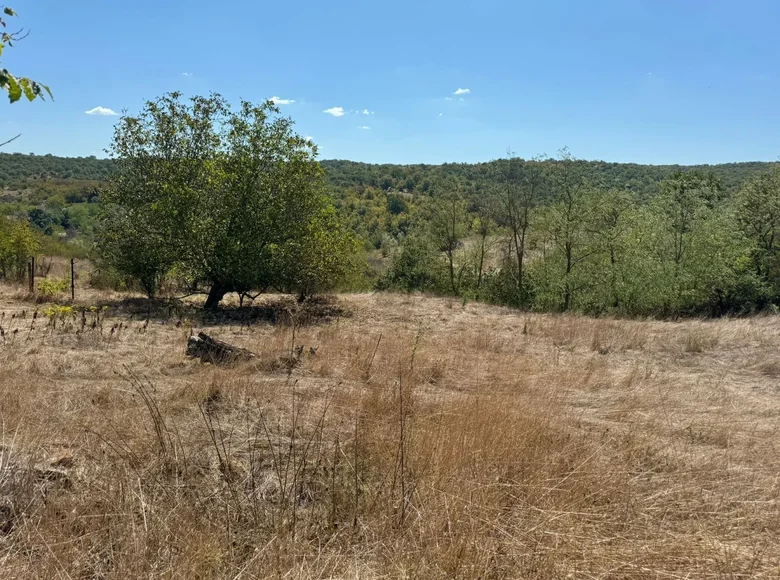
point(451, 259)
point(216, 294)
point(481, 262)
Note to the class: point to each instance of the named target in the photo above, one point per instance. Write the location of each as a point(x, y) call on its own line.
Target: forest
point(552, 234)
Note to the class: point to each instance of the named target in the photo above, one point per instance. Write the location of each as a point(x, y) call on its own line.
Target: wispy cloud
point(364, 127)
point(102, 111)
point(447, 98)
point(335, 111)
point(367, 112)
point(462, 92)
point(185, 74)
point(281, 101)
point(441, 114)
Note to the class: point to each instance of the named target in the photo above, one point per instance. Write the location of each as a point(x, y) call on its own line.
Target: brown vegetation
point(391, 437)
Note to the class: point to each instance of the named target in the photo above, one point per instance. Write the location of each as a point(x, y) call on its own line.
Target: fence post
point(32, 275)
point(72, 280)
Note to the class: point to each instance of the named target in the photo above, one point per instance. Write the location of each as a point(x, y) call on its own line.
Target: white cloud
point(364, 127)
point(447, 98)
point(335, 111)
point(462, 92)
point(441, 114)
point(367, 112)
point(281, 101)
point(186, 74)
point(103, 111)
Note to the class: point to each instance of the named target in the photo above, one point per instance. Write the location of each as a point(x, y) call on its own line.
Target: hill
point(18, 170)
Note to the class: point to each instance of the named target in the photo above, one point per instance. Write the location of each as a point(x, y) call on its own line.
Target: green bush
point(50, 288)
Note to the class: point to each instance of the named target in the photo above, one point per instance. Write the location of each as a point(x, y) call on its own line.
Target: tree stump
point(209, 349)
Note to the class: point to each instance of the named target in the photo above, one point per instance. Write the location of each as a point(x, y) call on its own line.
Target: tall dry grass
point(413, 438)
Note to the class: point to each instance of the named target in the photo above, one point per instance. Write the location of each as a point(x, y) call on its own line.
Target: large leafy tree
point(232, 198)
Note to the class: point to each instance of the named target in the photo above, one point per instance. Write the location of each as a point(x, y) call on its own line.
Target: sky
point(645, 81)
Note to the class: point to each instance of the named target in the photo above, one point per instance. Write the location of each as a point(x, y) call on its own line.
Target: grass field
point(413, 437)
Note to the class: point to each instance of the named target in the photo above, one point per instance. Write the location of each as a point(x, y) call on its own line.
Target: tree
point(231, 198)
point(484, 227)
point(685, 199)
point(18, 243)
point(611, 222)
point(563, 226)
point(448, 226)
point(758, 212)
point(517, 191)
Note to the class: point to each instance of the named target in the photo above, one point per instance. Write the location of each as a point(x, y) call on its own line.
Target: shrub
point(50, 288)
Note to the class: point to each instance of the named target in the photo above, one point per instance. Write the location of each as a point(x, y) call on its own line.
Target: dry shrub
point(770, 368)
point(698, 340)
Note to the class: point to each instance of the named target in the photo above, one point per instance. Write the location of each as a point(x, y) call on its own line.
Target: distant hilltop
point(18, 168)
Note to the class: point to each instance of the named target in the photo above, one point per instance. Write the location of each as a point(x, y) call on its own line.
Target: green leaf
point(29, 88)
point(14, 89)
point(48, 90)
point(9, 11)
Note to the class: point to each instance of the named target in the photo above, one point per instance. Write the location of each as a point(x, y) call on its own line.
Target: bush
point(417, 266)
point(50, 288)
point(105, 278)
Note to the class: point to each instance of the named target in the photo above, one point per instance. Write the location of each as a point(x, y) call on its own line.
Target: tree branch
point(11, 139)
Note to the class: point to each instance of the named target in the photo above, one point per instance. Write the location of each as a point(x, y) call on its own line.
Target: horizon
point(477, 162)
point(628, 81)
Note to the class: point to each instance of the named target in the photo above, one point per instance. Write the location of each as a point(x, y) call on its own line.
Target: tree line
point(204, 197)
point(545, 237)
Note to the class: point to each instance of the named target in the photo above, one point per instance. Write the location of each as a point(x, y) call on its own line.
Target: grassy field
point(412, 437)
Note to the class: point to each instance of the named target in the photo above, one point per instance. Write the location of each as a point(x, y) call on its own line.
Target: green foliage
point(50, 288)
point(18, 243)
point(16, 87)
point(688, 251)
point(656, 240)
point(417, 266)
point(758, 213)
point(234, 199)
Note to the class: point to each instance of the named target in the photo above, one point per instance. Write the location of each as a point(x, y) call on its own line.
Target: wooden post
point(72, 280)
point(32, 275)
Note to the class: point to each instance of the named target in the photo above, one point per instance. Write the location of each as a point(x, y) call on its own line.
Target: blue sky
point(647, 81)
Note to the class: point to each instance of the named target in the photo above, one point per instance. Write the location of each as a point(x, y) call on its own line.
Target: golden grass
point(421, 439)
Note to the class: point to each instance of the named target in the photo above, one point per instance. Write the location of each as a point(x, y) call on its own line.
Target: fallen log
point(217, 352)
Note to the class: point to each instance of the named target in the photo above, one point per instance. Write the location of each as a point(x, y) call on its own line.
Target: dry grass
point(418, 439)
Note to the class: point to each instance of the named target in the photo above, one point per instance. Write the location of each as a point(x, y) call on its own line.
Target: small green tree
point(449, 222)
point(484, 228)
point(517, 192)
point(562, 234)
point(18, 243)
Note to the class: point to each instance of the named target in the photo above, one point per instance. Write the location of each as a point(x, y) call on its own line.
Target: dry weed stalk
point(420, 441)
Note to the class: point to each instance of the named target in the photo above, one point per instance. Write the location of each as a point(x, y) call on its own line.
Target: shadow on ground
point(284, 310)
